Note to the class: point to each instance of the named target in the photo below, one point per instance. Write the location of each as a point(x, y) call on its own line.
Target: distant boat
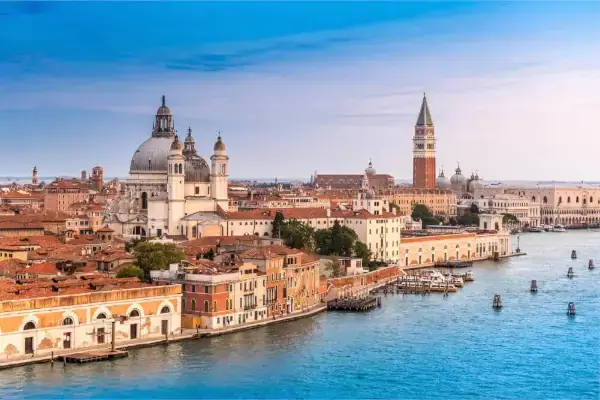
point(559, 228)
point(573, 255)
point(535, 229)
point(591, 264)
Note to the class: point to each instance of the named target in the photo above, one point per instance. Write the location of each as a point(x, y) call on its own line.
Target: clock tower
point(424, 149)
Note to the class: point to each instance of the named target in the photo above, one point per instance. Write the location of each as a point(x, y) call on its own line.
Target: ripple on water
point(414, 347)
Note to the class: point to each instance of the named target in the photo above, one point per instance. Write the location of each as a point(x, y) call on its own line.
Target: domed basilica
point(171, 189)
point(462, 186)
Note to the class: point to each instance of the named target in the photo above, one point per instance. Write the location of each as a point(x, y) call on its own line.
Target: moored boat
point(591, 264)
point(559, 228)
point(573, 255)
point(535, 229)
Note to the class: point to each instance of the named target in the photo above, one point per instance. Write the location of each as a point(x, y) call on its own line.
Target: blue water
point(414, 347)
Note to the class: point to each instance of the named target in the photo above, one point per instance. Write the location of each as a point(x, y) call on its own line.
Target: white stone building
point(526, 211)
point(169, 182)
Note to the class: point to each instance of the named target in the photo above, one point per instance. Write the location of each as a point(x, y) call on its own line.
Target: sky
point(513, 87)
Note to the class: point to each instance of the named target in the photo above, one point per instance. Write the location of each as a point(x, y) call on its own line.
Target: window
point(215, 306)
point(193, 305)
point(134, 313)
point(205, 305)
point(29, 325)
point(197, 190)
point(183, 304)
point(68, 321)
point(165, 310)
point(101, 316)
point(206, 289)
point(193, 288)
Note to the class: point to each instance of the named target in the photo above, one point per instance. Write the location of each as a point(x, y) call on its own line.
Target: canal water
point(414, 347)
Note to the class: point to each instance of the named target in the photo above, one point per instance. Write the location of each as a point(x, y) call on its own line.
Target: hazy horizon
point(299, 87)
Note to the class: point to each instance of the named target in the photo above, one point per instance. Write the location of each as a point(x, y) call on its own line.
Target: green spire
point(424, 115)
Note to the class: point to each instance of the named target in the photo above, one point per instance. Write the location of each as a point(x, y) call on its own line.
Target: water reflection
point(414, 346)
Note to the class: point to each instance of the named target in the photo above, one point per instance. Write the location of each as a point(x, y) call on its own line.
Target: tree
point(468, 218)
point(209, 255)
point(278, 222)
point(421, 212)
point(154, 256)
point(453, 221)
point(130, 246)
point(474, 208)
point(298, 235)
point(510, 219)
point(131, 271)
point(334, 266)
point(361, 250)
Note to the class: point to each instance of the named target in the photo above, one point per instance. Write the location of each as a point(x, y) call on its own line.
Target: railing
point(250, 307)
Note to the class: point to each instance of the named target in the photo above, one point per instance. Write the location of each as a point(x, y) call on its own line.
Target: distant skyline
point(298, 87)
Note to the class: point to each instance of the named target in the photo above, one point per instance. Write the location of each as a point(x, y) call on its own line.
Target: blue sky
point(298, 87)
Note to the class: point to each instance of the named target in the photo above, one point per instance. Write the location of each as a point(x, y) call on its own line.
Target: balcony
point(249, 307)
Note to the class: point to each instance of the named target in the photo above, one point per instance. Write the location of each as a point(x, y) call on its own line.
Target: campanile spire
point(424, 149)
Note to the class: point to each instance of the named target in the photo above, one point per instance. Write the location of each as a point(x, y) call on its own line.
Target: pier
point(364, 304)
point(93, 356)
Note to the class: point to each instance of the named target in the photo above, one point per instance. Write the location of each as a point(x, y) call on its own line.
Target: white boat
point(535, 229)
point(559, 228)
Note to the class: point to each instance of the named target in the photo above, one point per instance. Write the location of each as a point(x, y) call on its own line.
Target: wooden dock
point(364, 304)
point(93, 356)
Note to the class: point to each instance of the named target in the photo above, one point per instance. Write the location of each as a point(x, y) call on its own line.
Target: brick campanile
point(424, 149)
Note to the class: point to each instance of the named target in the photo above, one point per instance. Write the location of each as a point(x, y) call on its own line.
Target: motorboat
point(559, 228)
point(573, 255)
point(591, 264)
point(535, 229)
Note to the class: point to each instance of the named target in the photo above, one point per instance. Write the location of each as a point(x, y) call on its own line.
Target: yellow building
point(439, 201)
point(491, 239)
point(39, 318)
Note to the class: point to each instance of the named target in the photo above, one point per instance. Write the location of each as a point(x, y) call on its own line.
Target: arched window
point(101, 316)
point(134, 313)
point(568, 199)
point(194, 231)
point(193, 305)
point(559, 199)
point(577, 199)
point(165, 310)
point(545, 200)
point(183, 304)
point(533, 198)
point(205, 305)
point(144, 201)
point(181, 168)
point(68, 321)
point(591, 199)
point(29, 325)
point(215, 306)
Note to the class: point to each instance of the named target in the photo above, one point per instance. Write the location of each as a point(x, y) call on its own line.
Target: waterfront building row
point(235, 289)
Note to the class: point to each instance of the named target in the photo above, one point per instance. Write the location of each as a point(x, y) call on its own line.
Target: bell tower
point(175, 187)
point(219, 173)
point(424, 149)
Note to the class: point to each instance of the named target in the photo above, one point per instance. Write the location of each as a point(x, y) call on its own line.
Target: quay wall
point(351, 285)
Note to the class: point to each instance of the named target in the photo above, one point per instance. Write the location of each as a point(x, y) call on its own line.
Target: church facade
point(171, 189)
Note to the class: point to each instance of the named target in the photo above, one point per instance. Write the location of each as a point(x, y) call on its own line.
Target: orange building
point(273, 265)
point(62, 193)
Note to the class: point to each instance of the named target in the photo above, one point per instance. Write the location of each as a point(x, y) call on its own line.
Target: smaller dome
point(219, 145)
point(458, 179)
point(442, 181)
point(176, 145)
point(370, 170)
point(370, 194)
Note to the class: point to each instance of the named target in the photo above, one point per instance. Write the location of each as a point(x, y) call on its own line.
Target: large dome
point(151, 156)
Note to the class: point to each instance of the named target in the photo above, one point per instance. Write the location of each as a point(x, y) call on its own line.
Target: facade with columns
point(424, 149)
point(169, 183)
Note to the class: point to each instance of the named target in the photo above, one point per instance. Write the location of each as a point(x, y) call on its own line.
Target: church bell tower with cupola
point(219, 172)
point(424, 149)
point(175, 187)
